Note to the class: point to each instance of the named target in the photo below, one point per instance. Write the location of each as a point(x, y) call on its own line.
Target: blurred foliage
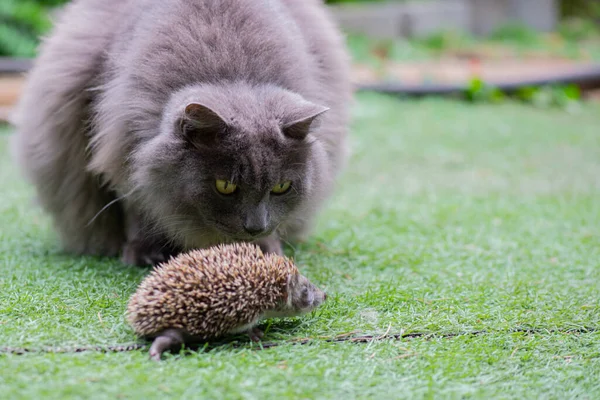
point(480, 91)
point(575, 38)
point(578, 29)
point(563, 96)
point(566, 97)
point(581, 8)
point(444, 40)
point(516, 33)
point(22, 22)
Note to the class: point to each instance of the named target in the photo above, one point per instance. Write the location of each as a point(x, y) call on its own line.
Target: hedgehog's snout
point(306, 296)
point(316, 297)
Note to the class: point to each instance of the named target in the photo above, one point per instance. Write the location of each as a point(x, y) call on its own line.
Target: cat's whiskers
point(281, 233)
point(91, 221)
point(172, 225)
point(294, 249)
point(195, 233)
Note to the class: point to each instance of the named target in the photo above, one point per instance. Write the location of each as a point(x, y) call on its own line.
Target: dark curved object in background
point(587, 77)
point(15, 65)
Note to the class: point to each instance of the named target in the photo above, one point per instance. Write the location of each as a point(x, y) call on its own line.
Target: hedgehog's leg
point(255, 334)
point(169, 339)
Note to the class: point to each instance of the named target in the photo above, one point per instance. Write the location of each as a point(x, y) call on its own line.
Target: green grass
point(450, 218)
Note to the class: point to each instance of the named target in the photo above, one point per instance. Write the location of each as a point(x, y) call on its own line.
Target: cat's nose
point(254, 229)
point(256, 220)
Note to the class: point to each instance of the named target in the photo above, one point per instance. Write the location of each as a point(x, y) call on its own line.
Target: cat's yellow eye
point(282, 188)
point(225, 187)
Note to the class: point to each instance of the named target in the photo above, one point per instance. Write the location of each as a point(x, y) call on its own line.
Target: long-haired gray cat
point(153, 126)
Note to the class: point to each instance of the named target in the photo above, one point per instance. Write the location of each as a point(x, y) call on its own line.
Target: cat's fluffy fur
point(147, 102)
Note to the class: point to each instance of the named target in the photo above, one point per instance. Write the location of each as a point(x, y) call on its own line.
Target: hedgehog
point(206, 294)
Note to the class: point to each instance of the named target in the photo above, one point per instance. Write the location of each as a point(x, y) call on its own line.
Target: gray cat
point(155, 126)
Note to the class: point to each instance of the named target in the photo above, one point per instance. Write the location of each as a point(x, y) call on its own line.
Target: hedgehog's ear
point(201, 125)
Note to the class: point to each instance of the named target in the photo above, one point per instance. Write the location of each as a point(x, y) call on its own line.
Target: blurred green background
point(22, 22)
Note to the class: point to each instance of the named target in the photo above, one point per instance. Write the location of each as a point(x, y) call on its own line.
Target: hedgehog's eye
point(305, 293)
point(282, 188)
point(225, 187)
point(307, 297)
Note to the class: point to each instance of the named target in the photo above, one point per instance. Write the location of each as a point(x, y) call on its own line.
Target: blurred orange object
point(475, 67)
point(10, 88)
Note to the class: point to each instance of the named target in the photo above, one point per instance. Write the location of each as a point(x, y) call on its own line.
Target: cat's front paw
point(142, 254)
point(270, 245)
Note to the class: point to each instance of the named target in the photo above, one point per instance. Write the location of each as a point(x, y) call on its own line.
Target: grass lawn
point(450, 218)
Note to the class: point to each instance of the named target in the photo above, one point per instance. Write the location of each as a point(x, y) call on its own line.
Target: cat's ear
point(201, 125)
point(302, 120)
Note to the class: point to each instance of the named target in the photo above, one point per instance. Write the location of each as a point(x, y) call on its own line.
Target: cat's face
point(245, 186)
point(217, 177)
